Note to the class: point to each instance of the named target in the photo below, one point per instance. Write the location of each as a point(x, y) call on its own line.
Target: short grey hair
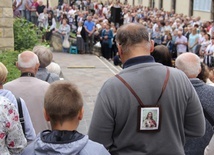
point(189, 63)
point(27, 62)
point(44, 54)
point(131, 34)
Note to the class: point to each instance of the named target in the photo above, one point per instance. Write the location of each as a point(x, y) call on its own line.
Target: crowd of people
point(178, 101)
point(95, 22)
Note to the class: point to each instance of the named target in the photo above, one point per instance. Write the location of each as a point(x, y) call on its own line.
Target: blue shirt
point(138, 60)
point(89, 25)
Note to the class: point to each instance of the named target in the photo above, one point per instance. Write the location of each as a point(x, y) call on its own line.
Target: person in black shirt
point(40, 8)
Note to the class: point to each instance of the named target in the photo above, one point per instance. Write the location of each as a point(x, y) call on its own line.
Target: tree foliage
point(25, 34)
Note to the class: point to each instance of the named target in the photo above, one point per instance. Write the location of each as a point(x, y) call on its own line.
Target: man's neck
point(67, 125)
point(28, 71)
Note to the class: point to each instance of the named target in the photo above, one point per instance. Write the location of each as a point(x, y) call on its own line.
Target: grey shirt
point(114, 121)
point(44, 75)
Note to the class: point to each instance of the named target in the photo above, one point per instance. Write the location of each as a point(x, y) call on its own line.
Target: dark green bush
point(25, 34)
point(9, 58)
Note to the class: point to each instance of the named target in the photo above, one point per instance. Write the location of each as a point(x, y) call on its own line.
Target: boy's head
point(63, 102)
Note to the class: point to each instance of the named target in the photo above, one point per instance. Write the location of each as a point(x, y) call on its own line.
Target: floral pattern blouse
point(12, 139)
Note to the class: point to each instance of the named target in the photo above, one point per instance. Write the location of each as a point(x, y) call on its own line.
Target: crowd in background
point(173, 34)
point(94, 25)
point(178, 32)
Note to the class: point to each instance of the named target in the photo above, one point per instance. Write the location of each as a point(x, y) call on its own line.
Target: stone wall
point(6, 25)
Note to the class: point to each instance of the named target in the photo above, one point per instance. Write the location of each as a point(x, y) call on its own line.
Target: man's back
point(115, 118)
point(32, 90)
point(196, 146)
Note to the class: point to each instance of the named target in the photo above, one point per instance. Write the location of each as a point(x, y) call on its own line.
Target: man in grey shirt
point(121, 105)
point(190, 64)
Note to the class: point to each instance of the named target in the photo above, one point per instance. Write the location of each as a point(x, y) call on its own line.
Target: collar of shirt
point(138, 60)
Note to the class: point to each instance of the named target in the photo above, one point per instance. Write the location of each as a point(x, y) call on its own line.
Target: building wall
point(182, 6)
point(157, 4)
point(202, 14)
point(6, 25)
point(52, 3)
point(167, 5)
point(146, 3)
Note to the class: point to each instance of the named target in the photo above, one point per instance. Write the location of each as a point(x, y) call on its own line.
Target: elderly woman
point(106, 38)
point(28, 126)
point(64, 30)
point(45, 58)
point(81, 38)
point(12, 139)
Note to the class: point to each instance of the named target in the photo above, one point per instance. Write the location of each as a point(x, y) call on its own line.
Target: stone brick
point(8, 33)
point(6, 22)
point(1, 32)
point(6, 3)
point(7, 12)
point(1, 12)
point(6, 43)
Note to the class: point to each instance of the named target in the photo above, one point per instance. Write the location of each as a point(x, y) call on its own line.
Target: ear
point(17, 65)
point(120, 51)
point(47, 117)
point(80, 114)
point(37, 67)
point(152, 47)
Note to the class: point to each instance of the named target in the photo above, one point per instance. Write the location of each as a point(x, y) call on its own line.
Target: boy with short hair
point(63, 107)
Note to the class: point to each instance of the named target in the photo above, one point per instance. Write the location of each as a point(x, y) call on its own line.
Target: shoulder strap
point(130, 88)
point(208, 117)
point(47, 77)
point(134, 93)
point(21, 118)
point(164, 84)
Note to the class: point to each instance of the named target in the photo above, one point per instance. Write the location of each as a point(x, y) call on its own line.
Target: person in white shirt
point(181, 43)
point(208, 53)
point(20, 5)
point(204, 44)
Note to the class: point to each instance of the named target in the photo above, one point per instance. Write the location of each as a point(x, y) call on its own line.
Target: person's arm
point(110, 35)
point(29, 129)
point(27, 6)
point(94, 29)
point(15, 140)
point(102, 123)
point(176, 41)
point(185, 41)
point(194, 120)
point(60, 29)
point(68, 29)
point(19, 4)
point(196, 42)
point(53, 26)
point(210, 148)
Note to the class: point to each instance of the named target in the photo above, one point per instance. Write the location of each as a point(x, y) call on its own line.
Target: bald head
point(189, 63)
point(27, 59)
point(133, 34)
